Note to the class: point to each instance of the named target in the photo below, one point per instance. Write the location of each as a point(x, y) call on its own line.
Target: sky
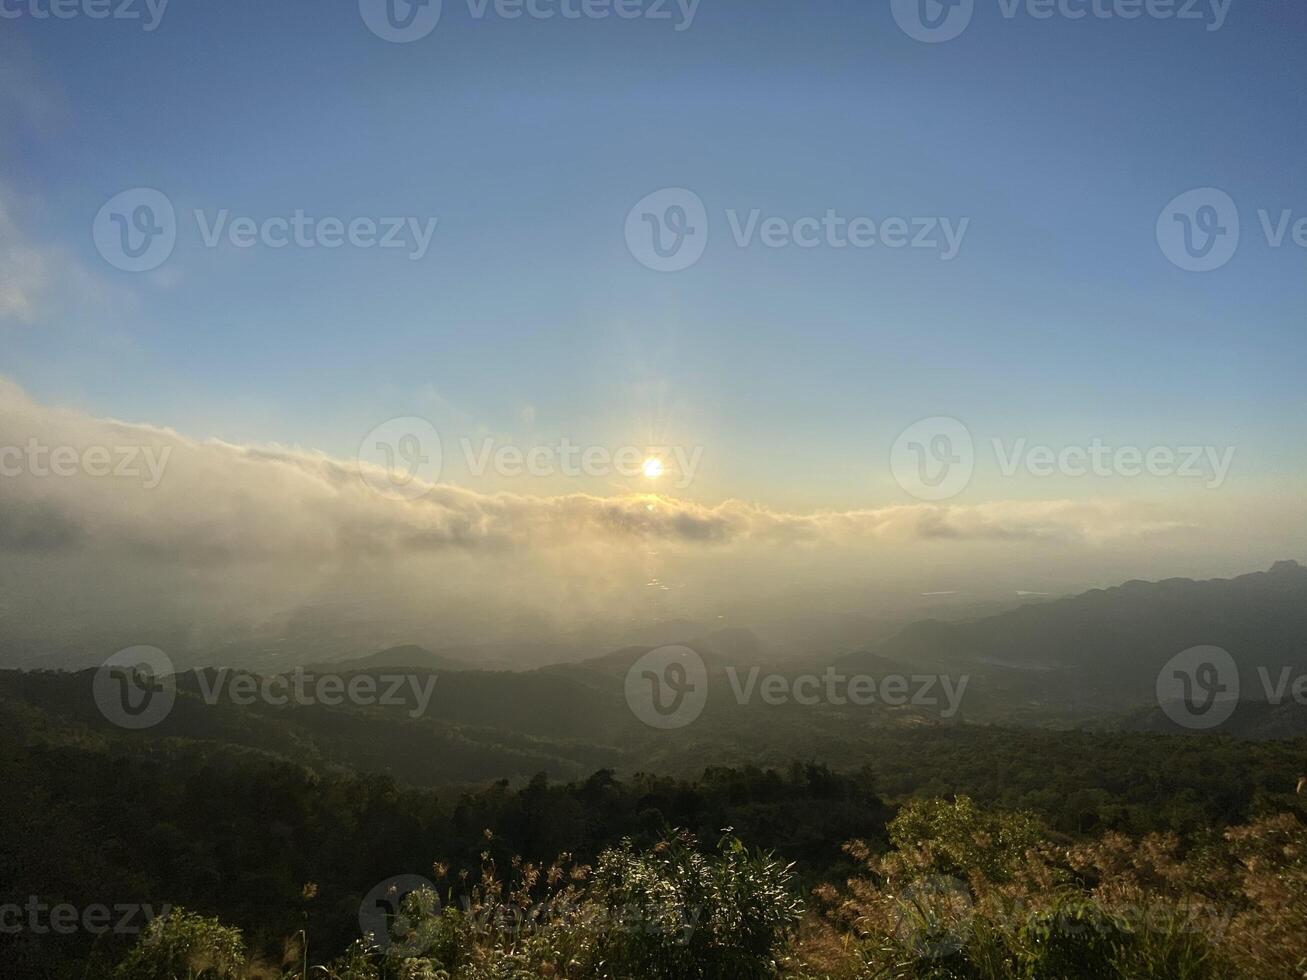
point(1060, 314)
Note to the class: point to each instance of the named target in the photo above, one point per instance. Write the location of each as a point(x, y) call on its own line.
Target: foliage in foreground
point(972, 894)
point(962, 894)
point(669, 913)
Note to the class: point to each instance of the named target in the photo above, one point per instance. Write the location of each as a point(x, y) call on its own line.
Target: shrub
point(678, 914)
point(185, 946)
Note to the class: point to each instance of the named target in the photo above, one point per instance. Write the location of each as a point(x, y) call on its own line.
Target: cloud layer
point(150, 492)
point(263, 555)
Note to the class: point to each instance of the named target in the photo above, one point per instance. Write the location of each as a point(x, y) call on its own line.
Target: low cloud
point(218, 502)
point(268, 555)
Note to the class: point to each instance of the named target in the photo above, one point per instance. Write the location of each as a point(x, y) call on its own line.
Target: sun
point(653, 468)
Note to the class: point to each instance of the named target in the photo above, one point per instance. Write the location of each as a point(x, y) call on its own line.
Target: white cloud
point(289, 552)
point(217, 502)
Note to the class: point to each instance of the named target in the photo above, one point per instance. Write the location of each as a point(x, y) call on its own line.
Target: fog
point(115, 533)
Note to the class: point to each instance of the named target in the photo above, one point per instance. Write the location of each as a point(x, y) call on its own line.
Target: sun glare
point(653, 468)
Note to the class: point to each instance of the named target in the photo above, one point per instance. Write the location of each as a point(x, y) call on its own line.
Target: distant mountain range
point(1090, 660)
point(407, 655)
point(1103, 649)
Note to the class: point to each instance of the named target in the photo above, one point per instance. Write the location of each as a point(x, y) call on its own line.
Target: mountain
point(1103, 649)
point(1090, 660)
point(620, 661)
point(408, 655)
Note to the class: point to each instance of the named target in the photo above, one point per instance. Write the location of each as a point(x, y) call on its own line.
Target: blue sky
point(1059, 320)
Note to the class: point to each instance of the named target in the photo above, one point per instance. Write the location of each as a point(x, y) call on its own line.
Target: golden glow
point(653, 468)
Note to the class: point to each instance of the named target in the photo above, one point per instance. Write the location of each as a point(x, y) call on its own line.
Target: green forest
point(951, 851)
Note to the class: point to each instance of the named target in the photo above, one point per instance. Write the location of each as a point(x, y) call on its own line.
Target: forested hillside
point(227, 829)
